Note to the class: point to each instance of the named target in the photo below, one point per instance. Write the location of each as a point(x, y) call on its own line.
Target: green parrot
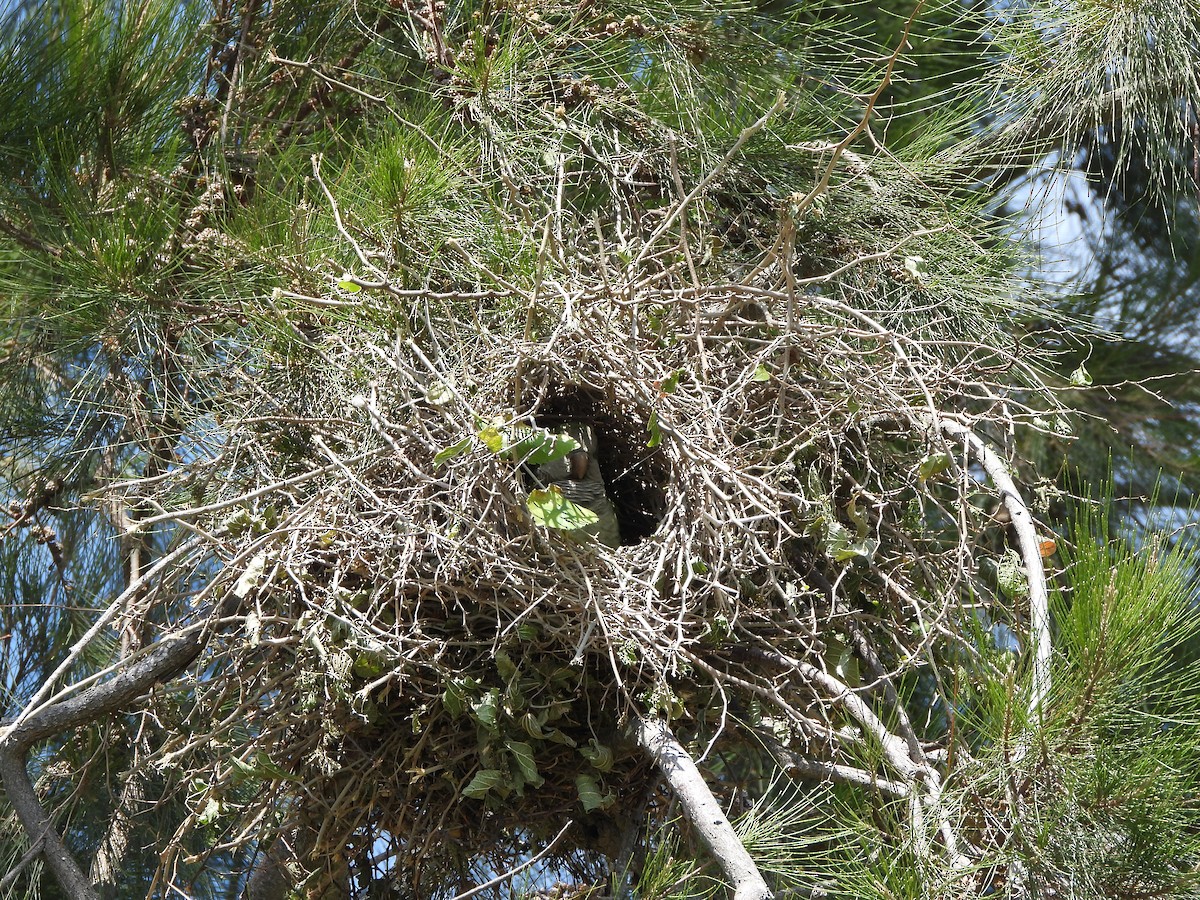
point(578, 476)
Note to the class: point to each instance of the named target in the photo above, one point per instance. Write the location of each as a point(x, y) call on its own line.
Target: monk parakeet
point(578, 476)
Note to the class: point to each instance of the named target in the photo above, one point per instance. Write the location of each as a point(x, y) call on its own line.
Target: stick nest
point(423, 666)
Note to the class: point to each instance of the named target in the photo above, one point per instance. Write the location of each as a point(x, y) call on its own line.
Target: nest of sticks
point(423, 666)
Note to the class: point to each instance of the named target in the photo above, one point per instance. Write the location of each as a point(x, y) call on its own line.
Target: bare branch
point(1029, 545)
point(701, 809)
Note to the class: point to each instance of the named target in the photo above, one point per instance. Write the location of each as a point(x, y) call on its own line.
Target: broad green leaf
point(261, 766)
point(761, 373)
point(532, 725)
point(537, 446)
point(559, 738)
point(522, 755)
point(454, 699)
point(252, 574)
point(598, 755)
point(1081, 377)
point(844, 662)
point(452, 451)
point(841, 545)
point(837, 536)
point(438, 393)
point(369, 664)
point(856, 516)
point(263, 763)
point(347, 284)
point(589, 794)
point(523, 443)
point(487, 707)
point(934, 464)
point(550, 508)
point(210, 812)
point(514, 697)
point(493, 438)
point(484, 781)
point(864, 550)
point(505, 666)
point(671, 383)
point(719, 629)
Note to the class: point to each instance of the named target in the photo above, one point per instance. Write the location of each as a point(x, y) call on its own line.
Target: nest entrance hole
point(635, 475)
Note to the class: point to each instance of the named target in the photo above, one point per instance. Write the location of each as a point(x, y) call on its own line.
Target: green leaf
point(487, 707)
point(261, 766)
point(369, 664)
point(537, 446)
point(559, 738)
point(514, 697)
point(841, 546)
point(934, 464)
point(1081, 377)
point(861, 526)
point(347, 285)
point(598, 755)
point(250, 577)
point(532, 725)
point(484, 781)
point(454, 699)
point(439, 393)
point(550, 508)
point(208, 815)
point(671, 383)
point(416, 718)
point(719, 629)
point(505, 666)
point(522, 755)
point(452, 451)
point(843, 661)
point(655, 431)
point(522, 443)
point(760, 373)
point(493, 438)
point(864, 550)
point(589, 794)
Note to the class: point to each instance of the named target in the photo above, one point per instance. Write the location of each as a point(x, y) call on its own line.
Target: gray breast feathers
point(578, 477)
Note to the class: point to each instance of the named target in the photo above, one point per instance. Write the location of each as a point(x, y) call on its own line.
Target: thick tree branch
point(106, 865)
point(24, 800)
point(701, 809)
point(1030, 548)
point(166, 659)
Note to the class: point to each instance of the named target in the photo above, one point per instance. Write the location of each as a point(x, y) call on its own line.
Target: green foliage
point(280, 278)
point(1103, 803)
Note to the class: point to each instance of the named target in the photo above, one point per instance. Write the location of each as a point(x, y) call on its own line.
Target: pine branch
point(1029, 545)
point(701, 809)
point(166, 660)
